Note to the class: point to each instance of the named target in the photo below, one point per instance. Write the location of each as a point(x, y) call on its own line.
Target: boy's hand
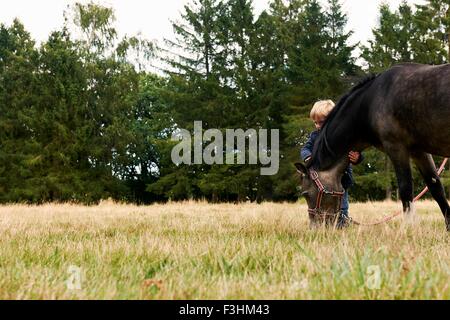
point(354, 156)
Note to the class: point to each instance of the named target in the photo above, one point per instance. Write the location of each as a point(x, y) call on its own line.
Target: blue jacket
point(306, 151)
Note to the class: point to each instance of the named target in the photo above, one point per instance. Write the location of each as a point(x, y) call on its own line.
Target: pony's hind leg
point(401, 161)
point(427, 169)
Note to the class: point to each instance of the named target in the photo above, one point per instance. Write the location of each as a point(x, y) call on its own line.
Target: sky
point(152, 18)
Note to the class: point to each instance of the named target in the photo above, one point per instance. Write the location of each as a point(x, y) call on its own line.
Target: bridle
point(323, 191)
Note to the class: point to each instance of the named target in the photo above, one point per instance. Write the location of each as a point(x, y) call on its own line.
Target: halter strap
point(322, 191)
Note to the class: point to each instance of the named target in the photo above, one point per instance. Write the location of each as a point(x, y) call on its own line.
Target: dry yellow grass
point(201, 251)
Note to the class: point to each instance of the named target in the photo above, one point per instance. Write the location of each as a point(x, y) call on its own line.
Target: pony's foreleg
point(401, 162)
point(427, 169)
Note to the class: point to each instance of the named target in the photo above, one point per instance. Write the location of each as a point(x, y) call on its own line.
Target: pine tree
point(407, 36)
point(431, 32)
point(308, 55)
point(387, 46)
point(341, 64)
point(193, 67)
point(18, 69)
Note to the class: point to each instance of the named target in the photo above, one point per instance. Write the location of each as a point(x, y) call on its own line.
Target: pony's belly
point(437, 149)
point(439, 152)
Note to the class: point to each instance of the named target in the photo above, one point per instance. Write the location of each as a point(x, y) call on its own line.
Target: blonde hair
point(321, 109)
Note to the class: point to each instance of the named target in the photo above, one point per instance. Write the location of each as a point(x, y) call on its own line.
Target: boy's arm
point(307, 149)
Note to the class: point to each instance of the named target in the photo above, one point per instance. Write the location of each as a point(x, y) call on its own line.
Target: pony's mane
point(362, 83)
point(322, 138)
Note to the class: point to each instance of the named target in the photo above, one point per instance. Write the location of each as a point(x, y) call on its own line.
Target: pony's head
point(323, 192)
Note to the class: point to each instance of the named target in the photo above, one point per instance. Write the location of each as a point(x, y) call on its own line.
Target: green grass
point(200, 251)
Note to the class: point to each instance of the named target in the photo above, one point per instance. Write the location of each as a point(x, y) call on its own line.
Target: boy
point(319, 113)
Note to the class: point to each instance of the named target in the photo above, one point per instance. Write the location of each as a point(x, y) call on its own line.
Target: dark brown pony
point(404, 112)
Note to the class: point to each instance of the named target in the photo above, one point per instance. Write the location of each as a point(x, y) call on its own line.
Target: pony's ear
point(301, 168)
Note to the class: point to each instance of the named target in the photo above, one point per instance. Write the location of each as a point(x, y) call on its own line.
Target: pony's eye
point(305, 193)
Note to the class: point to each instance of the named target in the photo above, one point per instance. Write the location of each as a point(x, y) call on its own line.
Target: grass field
point(201, 251)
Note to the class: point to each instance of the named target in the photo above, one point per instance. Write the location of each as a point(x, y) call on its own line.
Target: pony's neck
point(345, 133)
point(342, 135)
point(348, 128)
